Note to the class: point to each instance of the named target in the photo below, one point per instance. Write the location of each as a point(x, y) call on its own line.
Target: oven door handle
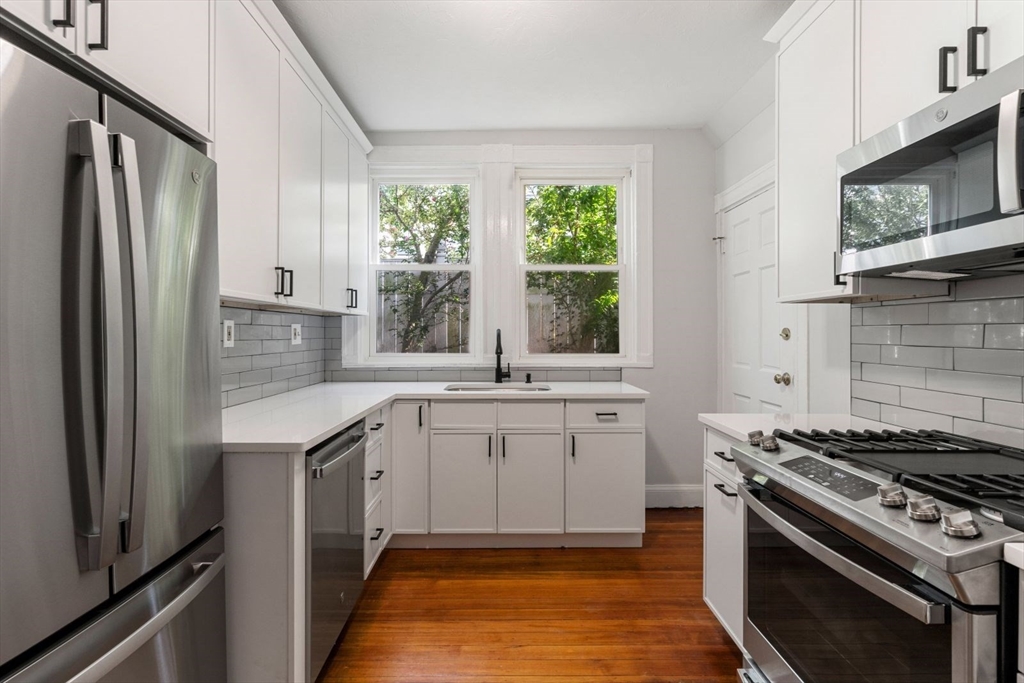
point(925, 611)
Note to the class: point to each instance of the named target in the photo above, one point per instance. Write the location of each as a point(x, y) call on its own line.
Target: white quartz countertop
point(1014, 554)
point(298, 420)
point(738, 425)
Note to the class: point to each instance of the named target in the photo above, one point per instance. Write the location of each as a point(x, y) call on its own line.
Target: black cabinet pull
point(421, 415)
point(376, 536)
point(606, 414)
point(944, 53)
point(290, 274)
point(721, 487)
point(376, 477)
point(972, 50)
point(69, 15)
point(279, 277)
point(355, 296)
point(488, 448)
point(504, 448)
point(723, 456)
point(573, 439)
point(377, 427)
point(104, 25)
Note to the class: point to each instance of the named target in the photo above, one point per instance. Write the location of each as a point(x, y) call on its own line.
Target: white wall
point(751, 148)
point(683, 381)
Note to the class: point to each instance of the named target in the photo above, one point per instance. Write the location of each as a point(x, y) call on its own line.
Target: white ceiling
point(540, 64)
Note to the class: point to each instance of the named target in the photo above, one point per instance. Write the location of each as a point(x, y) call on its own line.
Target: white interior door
point(758, 355)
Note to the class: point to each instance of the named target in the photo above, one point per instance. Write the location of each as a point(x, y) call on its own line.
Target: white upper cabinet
point(900, 60)
point(1003, 40)
point(814, 124)
point(246, 152)
point(159, 49)
point(359, 231)
point(55, 20)
point(335, 215)
point(301, 122)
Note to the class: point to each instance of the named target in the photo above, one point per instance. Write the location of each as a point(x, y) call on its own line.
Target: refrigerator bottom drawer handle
point(205, 573)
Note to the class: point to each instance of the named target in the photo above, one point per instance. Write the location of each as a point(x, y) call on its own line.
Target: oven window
point(942, 183)
point(827, 628)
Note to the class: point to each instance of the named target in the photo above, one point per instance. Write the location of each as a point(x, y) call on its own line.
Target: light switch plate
point(296, 333)
point(229, 334)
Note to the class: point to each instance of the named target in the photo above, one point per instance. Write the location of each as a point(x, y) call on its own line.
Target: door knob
point(784, 378)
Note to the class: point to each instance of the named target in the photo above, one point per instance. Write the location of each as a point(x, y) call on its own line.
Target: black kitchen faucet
point(500, 374)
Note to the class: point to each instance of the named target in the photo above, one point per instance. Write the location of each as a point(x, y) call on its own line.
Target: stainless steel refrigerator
point(111, 473)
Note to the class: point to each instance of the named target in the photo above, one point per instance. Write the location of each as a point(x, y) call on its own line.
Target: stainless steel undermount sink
point(505, 387)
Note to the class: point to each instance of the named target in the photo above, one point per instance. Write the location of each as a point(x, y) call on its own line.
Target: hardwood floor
point(560, 616)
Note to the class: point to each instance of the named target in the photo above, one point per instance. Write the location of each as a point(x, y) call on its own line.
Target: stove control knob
point(923, 508)
point(769, 443)
point(959, 522)
point(754, 437)
point(892, 496)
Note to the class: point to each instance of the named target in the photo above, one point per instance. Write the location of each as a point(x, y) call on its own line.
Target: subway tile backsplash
point(263, 362)
point(954, 365)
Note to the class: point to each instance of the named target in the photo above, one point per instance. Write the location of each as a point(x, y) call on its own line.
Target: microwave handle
point(1008, 144)
point(925, 611)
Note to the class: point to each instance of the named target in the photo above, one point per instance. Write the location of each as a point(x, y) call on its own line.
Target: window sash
point(624, 252)
point(470, 177)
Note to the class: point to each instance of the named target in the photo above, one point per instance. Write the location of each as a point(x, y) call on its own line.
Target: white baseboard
point(675, 496)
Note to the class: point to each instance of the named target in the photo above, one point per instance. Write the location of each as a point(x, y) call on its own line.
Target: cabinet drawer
point(373, 537)
point(611, 414)
point(374, 475)
point(375, 427)
point(530, 415)
point(717, 455)
point(463, 414)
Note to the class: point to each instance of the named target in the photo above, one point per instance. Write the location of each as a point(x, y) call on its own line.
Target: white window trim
point(497, 229)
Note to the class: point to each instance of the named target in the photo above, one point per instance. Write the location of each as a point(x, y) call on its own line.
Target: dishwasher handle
point(323, 468)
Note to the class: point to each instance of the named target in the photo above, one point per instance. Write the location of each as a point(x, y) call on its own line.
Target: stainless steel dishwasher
point(335, 510)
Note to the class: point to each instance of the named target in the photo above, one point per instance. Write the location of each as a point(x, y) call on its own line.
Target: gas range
point(891, 490)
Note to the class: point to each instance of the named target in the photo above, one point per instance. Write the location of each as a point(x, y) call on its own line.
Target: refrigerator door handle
point(205, 573)
point(98, 526)
point(126, 158)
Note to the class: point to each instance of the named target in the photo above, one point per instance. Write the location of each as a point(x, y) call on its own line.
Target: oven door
point(820, 607)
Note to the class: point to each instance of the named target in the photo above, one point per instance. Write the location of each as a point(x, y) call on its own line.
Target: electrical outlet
point(296, 333)
point(229, 333)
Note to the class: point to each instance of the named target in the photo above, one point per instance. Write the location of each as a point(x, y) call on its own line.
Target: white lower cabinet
point(605, 482)
point(463, 483)
point(410, 444)
point(723, 552)
point(373, 537)
point(531, 483)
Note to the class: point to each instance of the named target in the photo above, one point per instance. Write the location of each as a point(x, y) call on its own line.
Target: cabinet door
point(531, 483)
point(159, 49)
point(605, 482)
point(301, 120)
point(1004, 41)
point(899, 57)
point(359, 229)
point(463, 486)
point(723, 553)
point(246, 152)
point(48, 18)
point(409, 458)
point(815, 123)
point(387, 495)
point(335, 214)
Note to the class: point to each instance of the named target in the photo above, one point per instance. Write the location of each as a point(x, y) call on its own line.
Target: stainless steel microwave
point(939, 195)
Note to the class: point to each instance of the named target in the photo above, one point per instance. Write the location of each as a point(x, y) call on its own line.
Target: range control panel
point(844, 483)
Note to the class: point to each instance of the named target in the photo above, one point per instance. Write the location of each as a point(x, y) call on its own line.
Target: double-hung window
point(573, 264)
point(423, 272)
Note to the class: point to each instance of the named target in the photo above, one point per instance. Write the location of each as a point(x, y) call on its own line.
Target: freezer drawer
point(170, 629)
